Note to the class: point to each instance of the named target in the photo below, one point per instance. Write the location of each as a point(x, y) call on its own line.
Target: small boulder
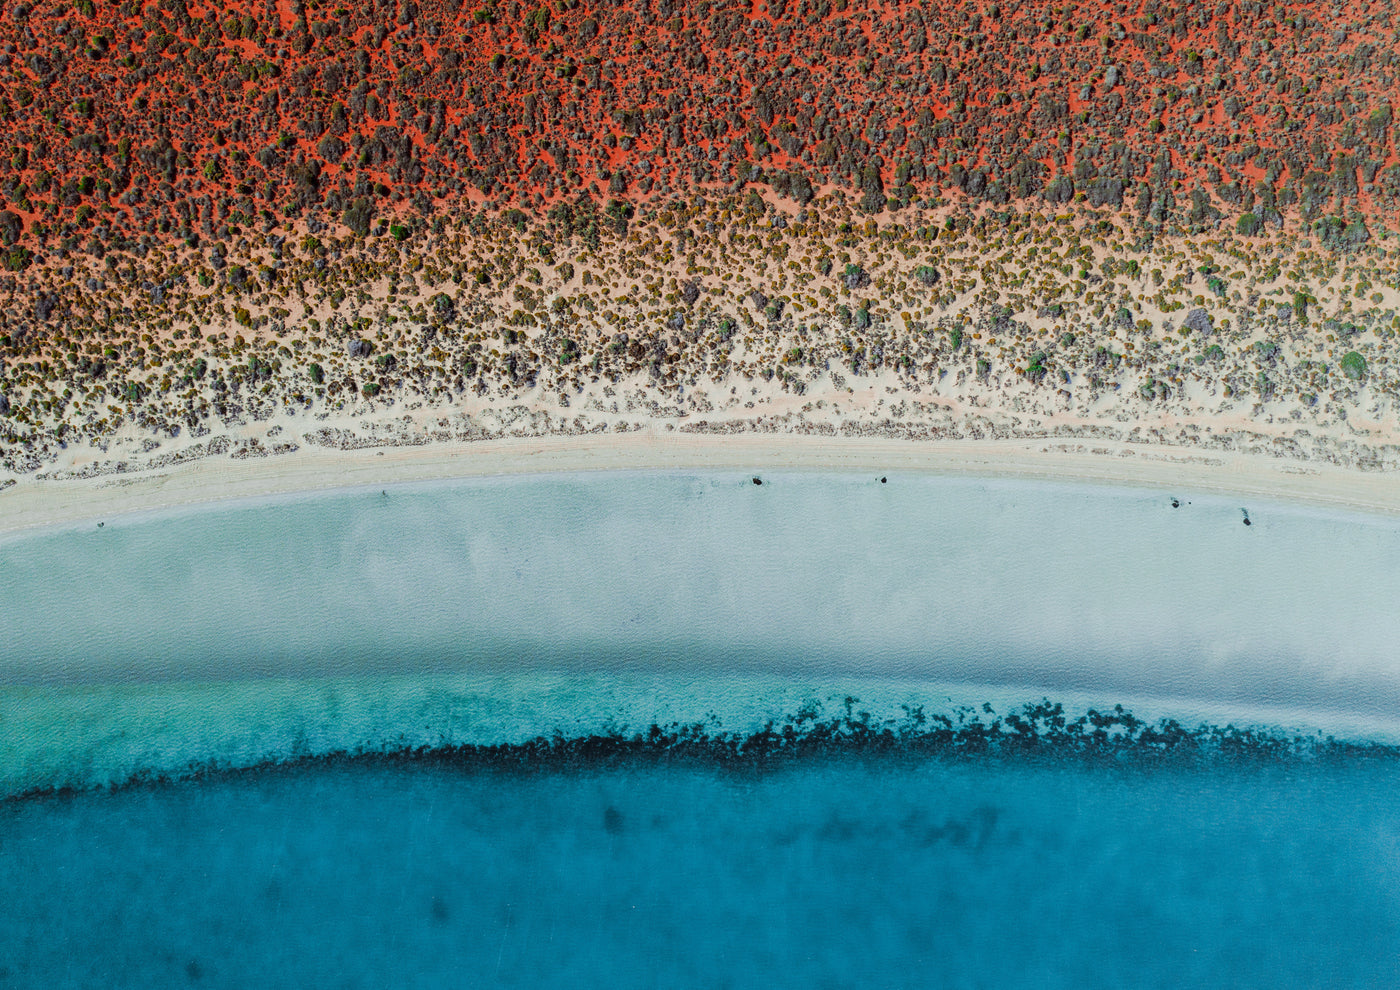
point(1199, 321)
point(358, 347)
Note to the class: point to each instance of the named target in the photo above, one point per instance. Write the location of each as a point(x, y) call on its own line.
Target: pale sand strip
point(31, 504)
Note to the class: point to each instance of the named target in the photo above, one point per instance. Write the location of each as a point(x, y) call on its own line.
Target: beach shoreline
point(32, 504)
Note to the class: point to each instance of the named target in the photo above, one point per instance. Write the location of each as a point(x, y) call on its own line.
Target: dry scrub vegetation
point(1069, 214)
point(703, 306)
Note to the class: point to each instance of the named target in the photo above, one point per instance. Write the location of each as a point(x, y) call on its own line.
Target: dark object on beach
point(758, 481)
point(1176, 504)
point(1246, 517)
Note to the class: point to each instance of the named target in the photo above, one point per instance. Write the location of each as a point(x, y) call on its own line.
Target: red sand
point(177, 119)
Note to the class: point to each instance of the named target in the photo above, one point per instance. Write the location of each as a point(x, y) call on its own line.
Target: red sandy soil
point(173, 119)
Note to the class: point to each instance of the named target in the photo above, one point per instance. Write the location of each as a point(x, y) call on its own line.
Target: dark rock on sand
point(1199, 321)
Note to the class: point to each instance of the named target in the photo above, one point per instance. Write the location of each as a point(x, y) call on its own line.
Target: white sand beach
point(30, 503)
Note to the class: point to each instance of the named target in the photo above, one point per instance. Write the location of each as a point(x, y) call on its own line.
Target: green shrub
point(1353, 365)
point(17, 259)
point(926, 274)
point(358, 215)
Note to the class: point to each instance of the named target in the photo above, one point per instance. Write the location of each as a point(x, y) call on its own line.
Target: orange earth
point(169, 119)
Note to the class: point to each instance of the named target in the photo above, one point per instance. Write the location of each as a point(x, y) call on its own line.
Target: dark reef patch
point(1041, 732)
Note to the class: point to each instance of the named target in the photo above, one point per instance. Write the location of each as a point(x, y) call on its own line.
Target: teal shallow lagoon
point(362, 655)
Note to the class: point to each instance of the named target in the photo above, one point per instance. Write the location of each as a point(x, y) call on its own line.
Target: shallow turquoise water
point(325, 686)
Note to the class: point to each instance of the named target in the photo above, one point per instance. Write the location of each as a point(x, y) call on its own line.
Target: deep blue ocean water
point(661, 729)
point(833, 873)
